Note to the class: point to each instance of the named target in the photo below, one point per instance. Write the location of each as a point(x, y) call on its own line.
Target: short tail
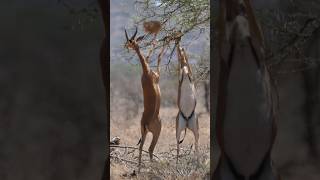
point(141, 137)
point(139, 142)
point(185, 132)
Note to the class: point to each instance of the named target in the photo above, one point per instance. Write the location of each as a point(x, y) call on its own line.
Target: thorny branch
point(84, 15)
point(299, 38)
point(186, 16)
point(288, 33)
point(130, 147)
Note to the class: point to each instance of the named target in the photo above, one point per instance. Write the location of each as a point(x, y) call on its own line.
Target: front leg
point(153, 43)
point(154, 40)
point(187, 61)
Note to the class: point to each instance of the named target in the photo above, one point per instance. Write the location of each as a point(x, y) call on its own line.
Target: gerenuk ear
point(140, 38)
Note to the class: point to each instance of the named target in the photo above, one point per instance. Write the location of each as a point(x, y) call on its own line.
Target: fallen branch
point(130, 147)
point(185, 152)
point(122, 159)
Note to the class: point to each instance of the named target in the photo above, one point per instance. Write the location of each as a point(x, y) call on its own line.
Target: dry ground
point(123, 161)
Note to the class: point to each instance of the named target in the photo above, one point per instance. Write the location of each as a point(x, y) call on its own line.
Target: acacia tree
point(176, 15)
point(287, 31)
point(292, 33)
point(191, 17)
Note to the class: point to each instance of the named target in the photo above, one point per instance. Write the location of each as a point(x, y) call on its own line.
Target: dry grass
point(124, 161)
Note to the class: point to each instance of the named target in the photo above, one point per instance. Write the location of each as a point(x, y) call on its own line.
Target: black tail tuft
point(145, 128)
point(185, 132)
point(139, 142)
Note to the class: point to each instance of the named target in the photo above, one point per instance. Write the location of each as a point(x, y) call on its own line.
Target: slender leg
point(266, 172)
point(224, 172)
point(178, 132)
point(196, 135)
point(155, 128)
point(178, 150)
point(143, 138)
point(180, 126)
point(217, 171)
point(194, 127)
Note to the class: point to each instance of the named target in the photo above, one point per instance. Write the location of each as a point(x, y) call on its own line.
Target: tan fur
point(150, 120)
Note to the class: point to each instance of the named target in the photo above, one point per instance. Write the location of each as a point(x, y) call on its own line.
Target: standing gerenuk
point(245, 124)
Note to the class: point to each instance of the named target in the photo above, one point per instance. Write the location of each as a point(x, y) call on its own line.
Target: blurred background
point(126, 98)
point(52, 107)
point(292, 38)
point(294, 25)
point(125, 68)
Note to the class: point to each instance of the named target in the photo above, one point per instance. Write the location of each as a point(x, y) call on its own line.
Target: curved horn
point(135, 33)
point(126, 34)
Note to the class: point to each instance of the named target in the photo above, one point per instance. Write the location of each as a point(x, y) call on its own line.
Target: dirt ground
point(165, 167)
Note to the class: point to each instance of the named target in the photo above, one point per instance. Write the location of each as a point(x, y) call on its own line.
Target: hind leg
point(155, 129)
point(193, 125)
point(266, 172)
point(224, 172)
point(180, 126)
point(143, 138)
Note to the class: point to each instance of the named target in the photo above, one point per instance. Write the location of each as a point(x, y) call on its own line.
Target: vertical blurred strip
point(105, 64)
point(212, 86)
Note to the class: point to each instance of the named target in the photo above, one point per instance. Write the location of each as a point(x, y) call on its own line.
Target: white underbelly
point(247, 125)
point(187, 97)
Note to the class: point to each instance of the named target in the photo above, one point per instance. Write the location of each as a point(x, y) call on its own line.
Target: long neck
point(254, 26)
point(144, 64)
point(183, 63)
point(181, 56)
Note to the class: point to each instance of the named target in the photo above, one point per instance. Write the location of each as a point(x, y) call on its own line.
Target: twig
point(310, 20)
point(130, 147)
point(122, 159)
point(185, 151)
